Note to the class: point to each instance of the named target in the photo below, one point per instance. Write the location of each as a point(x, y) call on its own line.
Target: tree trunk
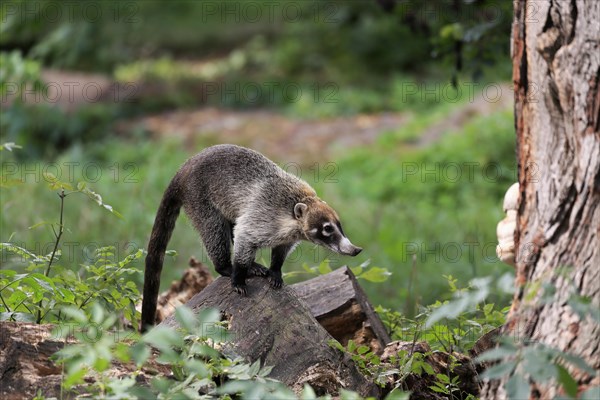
point(556, 67)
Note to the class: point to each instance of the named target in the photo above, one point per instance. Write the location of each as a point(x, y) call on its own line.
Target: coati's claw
point(240, 289)
point(276, 283)
point(275, 280)
point(258, 270)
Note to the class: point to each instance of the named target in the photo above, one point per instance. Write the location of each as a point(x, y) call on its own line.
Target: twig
point(62, 196)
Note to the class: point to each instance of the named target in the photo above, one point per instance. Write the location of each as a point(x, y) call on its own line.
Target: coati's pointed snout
point(356, 251)
point(347, 248)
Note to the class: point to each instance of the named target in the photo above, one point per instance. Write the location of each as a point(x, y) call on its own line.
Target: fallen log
point(276, 327)
point(335, 299)
point(340, 305)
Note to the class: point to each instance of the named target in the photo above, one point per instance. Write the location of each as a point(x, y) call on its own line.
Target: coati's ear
point(300, 210)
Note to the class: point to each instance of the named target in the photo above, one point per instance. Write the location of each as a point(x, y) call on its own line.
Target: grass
point(427, 213)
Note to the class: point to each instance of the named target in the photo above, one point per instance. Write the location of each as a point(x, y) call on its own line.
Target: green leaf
point(592, 393)
point(308, 393)
point(362, 349)
point(162, 385)
point(567, 381)
point(171, 253)
point(186, 318)
point(448, 310)
point(488, 308)
point(517, 387)
point(121, 385)
point(498, 353)
point(578, 362)
point(324, 267)
point(254, 368)
point(499, 371)
point(308, 269)
point(397, 394)
point(439, 389)
point(538, 364)
point(198, 368)
point(74, 314)
point(163, 338)
point(20, 251)
point(351, 346)
point(75, 377)
point(375, 274)
point(428, 369)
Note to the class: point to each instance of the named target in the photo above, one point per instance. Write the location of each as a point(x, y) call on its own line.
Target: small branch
point(62, 196)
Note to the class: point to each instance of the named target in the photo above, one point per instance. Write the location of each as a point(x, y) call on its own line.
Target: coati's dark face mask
point(321, 226)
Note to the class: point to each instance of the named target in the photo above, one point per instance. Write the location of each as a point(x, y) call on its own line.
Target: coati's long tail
point(166, 216)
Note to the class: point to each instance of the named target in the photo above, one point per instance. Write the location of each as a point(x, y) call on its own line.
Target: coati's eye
point(327, 229)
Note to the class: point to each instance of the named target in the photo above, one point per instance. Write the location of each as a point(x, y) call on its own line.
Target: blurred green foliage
point(170, 51)
point(365, 56)
point(333, 39)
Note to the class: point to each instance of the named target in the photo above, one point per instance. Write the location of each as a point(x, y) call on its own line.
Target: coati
point(236, 197)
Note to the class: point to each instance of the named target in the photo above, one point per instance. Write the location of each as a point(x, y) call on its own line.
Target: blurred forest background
point(399, 113)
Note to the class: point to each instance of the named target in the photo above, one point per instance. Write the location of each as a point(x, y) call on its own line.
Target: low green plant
point(361, 271)
point(194, 353)
point(45, 287)
point(450, 325)
point(368, 362)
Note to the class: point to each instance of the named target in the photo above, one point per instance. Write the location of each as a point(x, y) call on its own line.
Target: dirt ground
point(274, 134)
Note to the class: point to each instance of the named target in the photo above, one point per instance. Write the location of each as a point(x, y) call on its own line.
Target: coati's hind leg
point(215, 231)
point(244, 253)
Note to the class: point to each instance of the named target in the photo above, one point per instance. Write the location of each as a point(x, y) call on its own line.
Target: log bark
point(556, 68)
point(276, 327)
point(340, 305)
point(25, 366)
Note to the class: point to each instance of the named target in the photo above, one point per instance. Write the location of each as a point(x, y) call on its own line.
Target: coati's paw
point(257, 270)
point(238, 281)
point(275, 280)
point(240, 288)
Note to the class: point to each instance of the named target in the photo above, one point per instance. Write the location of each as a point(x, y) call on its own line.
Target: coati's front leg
point(278, 256)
